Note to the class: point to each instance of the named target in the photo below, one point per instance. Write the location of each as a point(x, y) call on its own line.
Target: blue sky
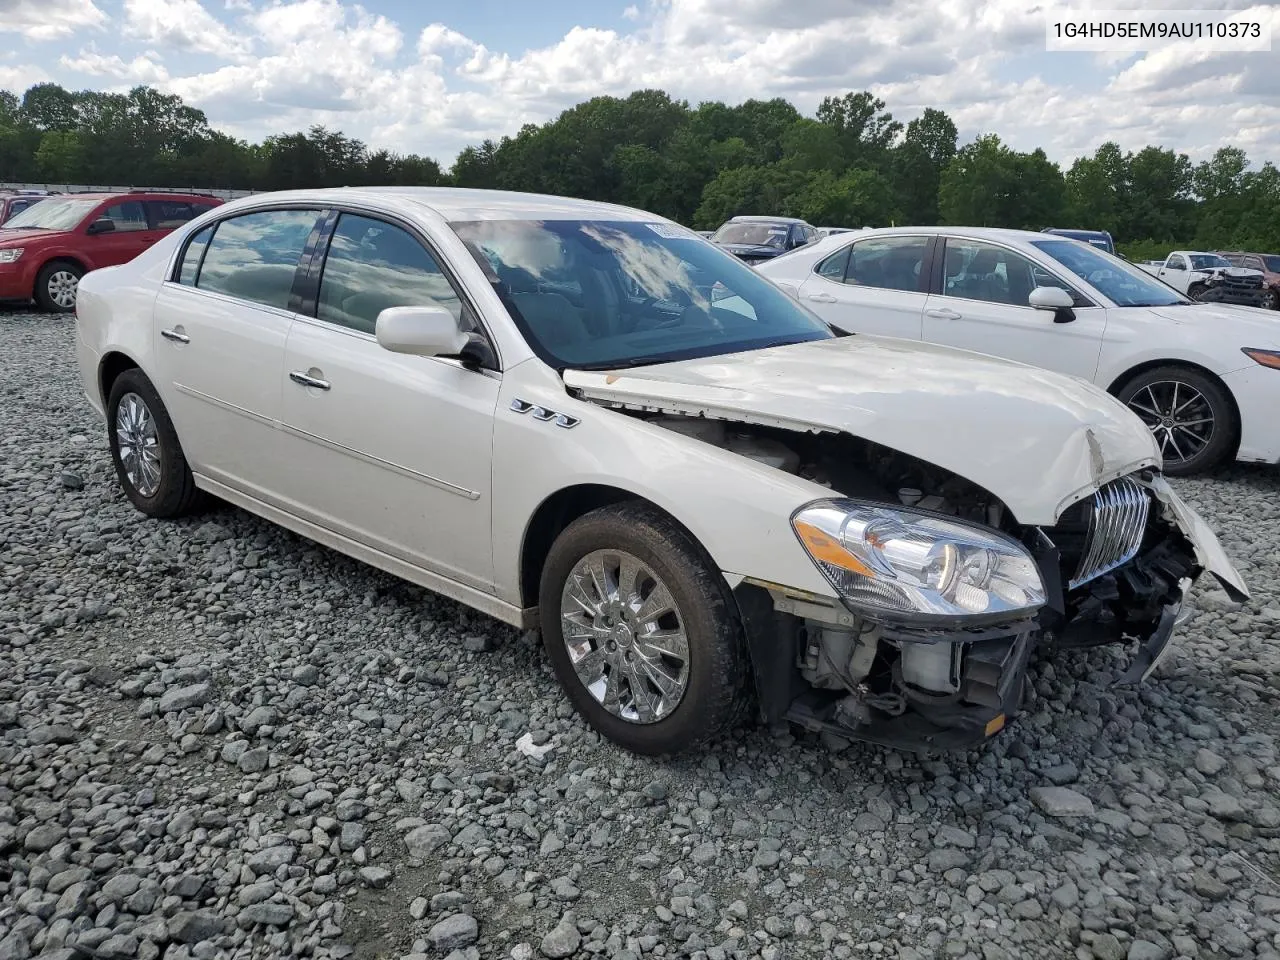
point(431, 77)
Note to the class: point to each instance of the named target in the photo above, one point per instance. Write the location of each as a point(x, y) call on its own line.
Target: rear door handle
point(175, 336)
point(297, 376)
point(943, 314)
point(821, 297)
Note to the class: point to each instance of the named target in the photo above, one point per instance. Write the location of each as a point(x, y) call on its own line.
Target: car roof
point(751, 218)
point(461, 204)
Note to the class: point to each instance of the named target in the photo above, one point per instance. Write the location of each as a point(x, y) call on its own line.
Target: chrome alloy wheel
point(62, 288)
point(1178, 415)
point(138, 444)
point(625, 636)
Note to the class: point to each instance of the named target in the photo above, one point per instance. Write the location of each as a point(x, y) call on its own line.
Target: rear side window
point(170, 214)
point(834, 266)
point(190, 268)
point(254, 256)
point(889, 263)
point(128, 216)
point(373, 265)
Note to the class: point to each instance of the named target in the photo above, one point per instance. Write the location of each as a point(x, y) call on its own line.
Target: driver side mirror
point(1055, 299)
point(101, 225)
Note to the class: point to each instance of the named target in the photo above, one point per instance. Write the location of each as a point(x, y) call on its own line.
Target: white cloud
point(49, 19)
point(269, 66)
point(182, 26)
point(20, 77)
point(141, 69)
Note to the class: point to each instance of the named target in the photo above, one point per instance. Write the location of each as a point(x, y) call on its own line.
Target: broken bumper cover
point(990, 680)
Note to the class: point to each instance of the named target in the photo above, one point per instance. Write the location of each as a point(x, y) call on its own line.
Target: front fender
point(738, 510)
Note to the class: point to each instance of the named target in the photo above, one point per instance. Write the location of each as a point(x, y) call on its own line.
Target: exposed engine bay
point(826, 667)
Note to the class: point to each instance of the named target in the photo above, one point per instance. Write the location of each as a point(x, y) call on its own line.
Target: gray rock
point(43, 837)
point(268, 860)
point(453, 933)
point(253, 761)
point(561, 941)
point(1146, 950)
point(375, 877)
point(271, 914)
point(55, 733)
point(192, 927)
point(1061, 802)
point(185, 698)
point(423, 841)
point(1106, 947)
point(256, 719)
point(15, 947)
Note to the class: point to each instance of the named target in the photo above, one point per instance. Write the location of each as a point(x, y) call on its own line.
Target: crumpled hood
point(1038, 440)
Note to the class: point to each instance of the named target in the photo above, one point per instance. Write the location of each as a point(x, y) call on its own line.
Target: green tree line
point(851, 164)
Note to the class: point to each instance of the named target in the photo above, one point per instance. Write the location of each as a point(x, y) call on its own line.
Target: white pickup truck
point(1207, 276)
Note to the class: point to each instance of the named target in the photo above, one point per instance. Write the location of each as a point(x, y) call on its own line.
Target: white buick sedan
point(584, 418)
point(1205, 378)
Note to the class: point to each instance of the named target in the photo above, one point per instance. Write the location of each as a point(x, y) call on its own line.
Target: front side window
point(1120, 282)
point(128, 217)
point(887, 263)
point(56, 213)
point(373, 265)
point(974, 270)
point(1271, 263)
point(254, 256)
point(601, 294)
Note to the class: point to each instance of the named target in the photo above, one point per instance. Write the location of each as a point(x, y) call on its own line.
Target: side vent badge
point(543, 414)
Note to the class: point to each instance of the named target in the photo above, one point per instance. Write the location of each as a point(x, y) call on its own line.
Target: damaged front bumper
point(829, 669)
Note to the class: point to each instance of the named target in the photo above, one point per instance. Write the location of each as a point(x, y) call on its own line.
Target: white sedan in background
point(1204, 377)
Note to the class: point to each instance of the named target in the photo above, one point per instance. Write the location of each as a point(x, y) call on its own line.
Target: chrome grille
point(1117, 520)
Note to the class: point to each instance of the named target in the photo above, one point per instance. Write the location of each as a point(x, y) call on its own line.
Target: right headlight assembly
point(907, 564)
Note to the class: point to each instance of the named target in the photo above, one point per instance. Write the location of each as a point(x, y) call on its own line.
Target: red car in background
point(47, 248)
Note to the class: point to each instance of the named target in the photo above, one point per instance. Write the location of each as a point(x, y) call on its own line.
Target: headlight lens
point(890, 561)
point(1268, 358)
point(10, 255)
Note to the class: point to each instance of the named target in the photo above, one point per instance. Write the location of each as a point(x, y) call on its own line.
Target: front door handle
point(176, 336)
point(297, 376)
point(821, 298)
point(943, 314)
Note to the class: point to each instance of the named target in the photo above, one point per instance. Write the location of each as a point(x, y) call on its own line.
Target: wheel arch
point(72, 259)
point(112, 364)
point(559, 510)
point(1137, 370)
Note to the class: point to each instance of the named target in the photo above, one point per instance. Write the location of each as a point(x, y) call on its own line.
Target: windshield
point(1119, 281)
point(602, 294)
point(1206, 261)
point(756, 234)
point(53, 214)
point(1272, 263)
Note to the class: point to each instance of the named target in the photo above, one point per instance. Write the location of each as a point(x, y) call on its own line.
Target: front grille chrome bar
point(1117, 521)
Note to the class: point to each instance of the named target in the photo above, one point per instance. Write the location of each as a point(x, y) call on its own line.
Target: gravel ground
point(217, 739)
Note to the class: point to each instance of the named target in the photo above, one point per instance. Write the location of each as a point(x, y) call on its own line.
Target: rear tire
point(1174, 402)
point(610, 616)
point(56, 285)
point(149, 461)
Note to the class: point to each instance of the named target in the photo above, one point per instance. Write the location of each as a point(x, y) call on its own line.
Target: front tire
point(1270, 299)
point(56, 286)
point(149, 461)
point(1189, 413)
point(642, 630)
